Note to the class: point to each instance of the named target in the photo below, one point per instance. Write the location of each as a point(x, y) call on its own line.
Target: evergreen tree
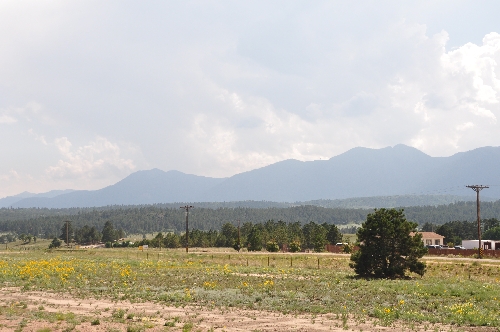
point(229, 233)
point(56, 243)
point(333, 236)
point(387, 249)
point(428, 227)
point(108, 232)
point(490, 223)
point(492, 234)
point(254, 239)
point(172, 240)
point(67, 232)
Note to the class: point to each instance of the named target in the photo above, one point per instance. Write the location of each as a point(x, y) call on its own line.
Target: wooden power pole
point(477, 189)
point(67, 233)
point(186, 208)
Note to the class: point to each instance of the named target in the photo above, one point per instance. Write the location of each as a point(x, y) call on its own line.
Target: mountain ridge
point(358, 172)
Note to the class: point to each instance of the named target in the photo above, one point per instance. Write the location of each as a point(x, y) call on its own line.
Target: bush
point(272, 246)
point(120, 313)
point(295, 246)
point(56, 243)
point(347, 248)
point(254, 239)
point(237, 245)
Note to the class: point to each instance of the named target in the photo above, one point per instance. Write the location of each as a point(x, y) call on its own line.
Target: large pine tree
point(387, 248)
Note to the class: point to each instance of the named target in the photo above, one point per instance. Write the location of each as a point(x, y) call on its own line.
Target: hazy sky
point(91, 91)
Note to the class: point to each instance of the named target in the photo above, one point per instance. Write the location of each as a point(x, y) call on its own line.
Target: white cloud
point(40, 138)
point(98, 159)
point(464, 92)
point(7, 119)
point(217, 90)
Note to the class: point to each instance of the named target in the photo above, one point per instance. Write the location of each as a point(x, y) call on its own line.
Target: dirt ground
point(44, 311)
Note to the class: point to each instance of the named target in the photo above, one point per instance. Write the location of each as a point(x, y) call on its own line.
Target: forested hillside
point(154, 218)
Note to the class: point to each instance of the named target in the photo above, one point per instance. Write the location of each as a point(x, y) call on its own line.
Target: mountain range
point(359, 172)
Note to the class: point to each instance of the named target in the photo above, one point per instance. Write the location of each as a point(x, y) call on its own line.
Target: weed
point(135, 328)
point(187, 327)
point(120, 313)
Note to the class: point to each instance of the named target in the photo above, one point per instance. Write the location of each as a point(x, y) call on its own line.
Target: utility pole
point(67, 233)
point(186, 208)
point(477, 189)
point(239, 241)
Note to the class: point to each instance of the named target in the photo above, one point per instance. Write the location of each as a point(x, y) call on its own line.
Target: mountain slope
point(11, 200)
point(359, 172)
point(142, 187)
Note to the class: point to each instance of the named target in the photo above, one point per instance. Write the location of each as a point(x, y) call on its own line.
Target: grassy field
point(456, 293)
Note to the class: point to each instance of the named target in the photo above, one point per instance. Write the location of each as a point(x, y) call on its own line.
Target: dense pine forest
point(161, 218)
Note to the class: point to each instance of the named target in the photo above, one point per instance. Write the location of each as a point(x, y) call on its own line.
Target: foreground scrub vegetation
point(458, 293)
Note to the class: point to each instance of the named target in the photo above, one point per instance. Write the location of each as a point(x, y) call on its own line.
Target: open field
point(126, 289)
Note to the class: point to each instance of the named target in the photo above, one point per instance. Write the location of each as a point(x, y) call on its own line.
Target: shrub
point(295, 246)
point(56, 243)
point(347, 248)
point(272, 246)
point(120, 313)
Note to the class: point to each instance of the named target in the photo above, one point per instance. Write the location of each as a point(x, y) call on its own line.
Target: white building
point(431, 238)
point(486, 244)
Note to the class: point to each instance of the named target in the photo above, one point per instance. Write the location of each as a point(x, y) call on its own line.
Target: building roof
point(427, 235)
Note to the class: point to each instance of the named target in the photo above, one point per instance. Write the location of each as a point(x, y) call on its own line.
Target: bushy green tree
point(295, 246)
point(492, 234)
point(67, 232)
point(254, 239)
point(108, 232)
point(272, 246)
point(172, 240)
point(490, 223)
point(56, 243)
point(386, 247)
point(455, 231)
point(333, 233)
point(229, 233)
point(87, 234)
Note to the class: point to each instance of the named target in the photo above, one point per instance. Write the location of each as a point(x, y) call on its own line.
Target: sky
point(92, 91)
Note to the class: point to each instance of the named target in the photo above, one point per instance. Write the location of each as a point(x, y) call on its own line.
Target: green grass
point(451, 292)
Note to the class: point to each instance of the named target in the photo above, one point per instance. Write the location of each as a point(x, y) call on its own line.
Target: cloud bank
point(94, 91)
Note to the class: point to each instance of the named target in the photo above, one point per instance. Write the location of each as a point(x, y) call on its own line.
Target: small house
point(431, 238)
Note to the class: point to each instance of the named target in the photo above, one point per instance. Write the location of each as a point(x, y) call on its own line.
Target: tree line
point(457, 230)
point(155, 218)
point(273, 235)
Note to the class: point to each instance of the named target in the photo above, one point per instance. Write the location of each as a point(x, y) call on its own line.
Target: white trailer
point(486, 244)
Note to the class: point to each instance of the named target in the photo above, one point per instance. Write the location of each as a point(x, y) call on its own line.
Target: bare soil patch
point(18, 310)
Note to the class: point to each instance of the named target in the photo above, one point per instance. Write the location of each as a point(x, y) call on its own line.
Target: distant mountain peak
point(360, 172)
